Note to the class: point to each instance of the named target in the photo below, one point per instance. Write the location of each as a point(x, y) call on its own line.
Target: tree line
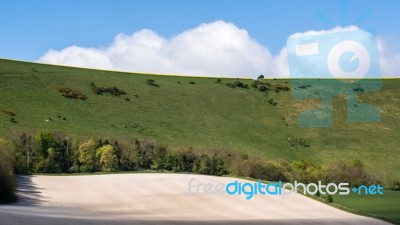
point(57, 152)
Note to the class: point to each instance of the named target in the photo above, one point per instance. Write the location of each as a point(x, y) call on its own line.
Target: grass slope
point(385, 206)
point(203, 115)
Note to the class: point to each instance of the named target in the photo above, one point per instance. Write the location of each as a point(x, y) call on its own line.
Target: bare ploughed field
point(157, 199)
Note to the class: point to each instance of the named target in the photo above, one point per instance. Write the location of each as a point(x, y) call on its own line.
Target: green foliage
point(24, 146)
point(264, 86)
point(87, 156)
point(272, 102)
point(264, 170)
point(354, 173)
point(152, 82)
point(306, 171)
point(7, 177)
point(296, 142)
point(71, 93)
point(50, 153)
point(9, 112)
point(114, 91)
point(329, 198)
point(45, 140)
point(107, 158)
point(391, 182)
point(237, 84)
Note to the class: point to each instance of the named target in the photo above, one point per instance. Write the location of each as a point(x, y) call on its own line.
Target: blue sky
point(30, 28)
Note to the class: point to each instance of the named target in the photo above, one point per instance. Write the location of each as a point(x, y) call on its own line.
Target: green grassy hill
point(204, 115)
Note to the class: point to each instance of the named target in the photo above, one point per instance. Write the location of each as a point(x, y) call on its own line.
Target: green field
point(205, 115)
point(384, 206)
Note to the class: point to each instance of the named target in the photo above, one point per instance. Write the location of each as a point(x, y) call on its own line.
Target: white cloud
point(319, 32)
point(389, 56)
point(211, 49)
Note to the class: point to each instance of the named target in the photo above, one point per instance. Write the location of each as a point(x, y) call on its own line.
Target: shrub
point(265, 86)
point(358, 89)
point(183, 160)
point(202, 164)
point(238, 84)
point(353, 173)
point(304, 86)
point(129, 157)
point(260, 77)
point(263, 170)
point(114, 91)
point(272, 102)
point(281, 87)
point(192, 82)
point(71, 93)
point(392, 182)
point(306, 172)
point(107, 158)
point(329, 198)
point(296, 142)
point(255, 83)
point(262, 87)
point(152, 82)
point(9, 112)
point(218, 81)
point(7, 176)
point(87, 156)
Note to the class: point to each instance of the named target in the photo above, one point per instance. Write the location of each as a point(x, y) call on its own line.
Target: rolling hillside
point(197, 112)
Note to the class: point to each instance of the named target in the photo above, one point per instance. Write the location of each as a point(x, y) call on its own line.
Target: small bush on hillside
point(237, 84)
point(272, 102)
point(114, 91)
point(281, 87)
point(218, 81)
point(296, 142)
point(71, 93)
point(265, 86)
point(192, 82)
point(9, 112)
point(152, 82)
